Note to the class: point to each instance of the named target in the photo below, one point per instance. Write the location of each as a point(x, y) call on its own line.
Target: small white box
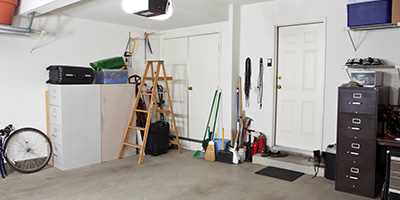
point(368, 78)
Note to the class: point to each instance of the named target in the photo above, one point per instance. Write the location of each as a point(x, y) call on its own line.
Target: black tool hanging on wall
point(260, 83)
point(247, 81)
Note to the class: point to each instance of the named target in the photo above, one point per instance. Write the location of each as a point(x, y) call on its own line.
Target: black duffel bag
point(59, 74)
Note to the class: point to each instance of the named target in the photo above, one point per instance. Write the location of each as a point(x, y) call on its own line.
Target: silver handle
point(355, 128)
point(357, 95)
point(356, 121)
point(354, 170)
point(356, 103)
point(355, 146)
point(354, 153)
point(353, 177)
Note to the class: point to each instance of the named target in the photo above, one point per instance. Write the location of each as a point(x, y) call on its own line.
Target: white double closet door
point(193, 63)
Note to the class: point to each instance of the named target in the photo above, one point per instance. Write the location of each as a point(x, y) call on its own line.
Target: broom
point(210, 152)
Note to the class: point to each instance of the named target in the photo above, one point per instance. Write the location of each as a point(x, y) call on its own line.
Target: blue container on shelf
point(218, 145)
point(369, 13)
point(112, 76)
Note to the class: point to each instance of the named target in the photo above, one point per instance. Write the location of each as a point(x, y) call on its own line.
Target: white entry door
point(193, 62)
point(300, 86)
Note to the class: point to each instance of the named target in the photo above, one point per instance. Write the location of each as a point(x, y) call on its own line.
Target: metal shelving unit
point(369, 28)
point(6, 29)
point(365, 67)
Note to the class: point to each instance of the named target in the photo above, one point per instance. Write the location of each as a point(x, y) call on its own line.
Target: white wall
point(257, 40)
point(68, 41)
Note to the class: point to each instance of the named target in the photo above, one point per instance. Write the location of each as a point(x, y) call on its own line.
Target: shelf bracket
point(6, 29)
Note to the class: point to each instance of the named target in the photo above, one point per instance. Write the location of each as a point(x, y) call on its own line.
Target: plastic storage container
point(368, 78)
point(112, 76)
point(218, 144)
point(369, 13)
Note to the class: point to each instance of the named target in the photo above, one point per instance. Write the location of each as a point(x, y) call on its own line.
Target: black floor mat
point(284, 174)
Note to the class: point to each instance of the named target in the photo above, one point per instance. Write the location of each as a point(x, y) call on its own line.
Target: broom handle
point(209, 117)
point(216, 115)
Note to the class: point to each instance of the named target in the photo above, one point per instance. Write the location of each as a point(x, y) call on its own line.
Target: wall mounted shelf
point(366, 67)
point(6, 29)
point(369, 28)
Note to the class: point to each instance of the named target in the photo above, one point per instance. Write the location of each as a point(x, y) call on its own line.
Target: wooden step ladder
point(153, 103)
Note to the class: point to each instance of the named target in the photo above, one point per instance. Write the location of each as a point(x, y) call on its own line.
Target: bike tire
point(27, 150)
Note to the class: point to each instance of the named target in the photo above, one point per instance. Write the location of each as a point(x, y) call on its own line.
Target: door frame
point(275, 81)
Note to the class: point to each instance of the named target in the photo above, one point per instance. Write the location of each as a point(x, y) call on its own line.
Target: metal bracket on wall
point(6, 29)
point(368, 28)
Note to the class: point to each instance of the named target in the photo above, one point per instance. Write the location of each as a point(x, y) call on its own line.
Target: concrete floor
point(168, 176)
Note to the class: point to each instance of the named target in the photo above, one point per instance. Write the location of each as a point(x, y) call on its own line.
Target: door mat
point(283, 174)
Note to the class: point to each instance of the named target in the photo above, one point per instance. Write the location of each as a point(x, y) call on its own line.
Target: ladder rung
point(173, 142)
point(142, 111)
point(138, 128)
point(133, 145)
point(145, 93)
point(159, 78)
point(164, 111)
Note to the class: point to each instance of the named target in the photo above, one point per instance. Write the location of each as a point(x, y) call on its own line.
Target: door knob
point(190, 88)
point(279, 77)
point(279, 87)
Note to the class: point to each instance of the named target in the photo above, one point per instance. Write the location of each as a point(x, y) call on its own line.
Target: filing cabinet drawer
point(356, 151)
point(355, 177)
point(57, 154)
point(54, 95)
point(357, 126)
point(55, 134)
point(55, 114)
point(361, 101)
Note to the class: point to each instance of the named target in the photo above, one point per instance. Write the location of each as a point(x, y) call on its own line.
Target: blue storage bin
point(112, 76)
point(369, 13)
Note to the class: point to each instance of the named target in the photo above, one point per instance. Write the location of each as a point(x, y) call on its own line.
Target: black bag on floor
point(70, 75)
point(158, 138)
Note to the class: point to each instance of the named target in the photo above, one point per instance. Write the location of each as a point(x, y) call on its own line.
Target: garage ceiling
point(186, 13)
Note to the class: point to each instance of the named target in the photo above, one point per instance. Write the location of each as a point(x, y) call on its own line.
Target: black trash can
point(330, 162)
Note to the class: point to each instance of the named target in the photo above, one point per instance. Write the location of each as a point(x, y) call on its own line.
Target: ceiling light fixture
point(153, 9)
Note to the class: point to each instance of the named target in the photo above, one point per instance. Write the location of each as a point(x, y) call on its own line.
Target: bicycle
point(26, 150)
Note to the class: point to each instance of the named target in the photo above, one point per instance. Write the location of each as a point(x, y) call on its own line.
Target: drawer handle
point(55, 155)
point(356, 121)
point(53, 96)
point(355, 128)
point(54, 110)
point(353, 177)
point(53, 135)
point(54, 129)
point(354, 153)
point(357, 95)
point(54, 116)
point(55, 149)
point(355, 146)
point(356, 103)
point(354, 170)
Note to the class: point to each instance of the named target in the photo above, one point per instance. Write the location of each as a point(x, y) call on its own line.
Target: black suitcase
point(158, 138)
point(70, 75)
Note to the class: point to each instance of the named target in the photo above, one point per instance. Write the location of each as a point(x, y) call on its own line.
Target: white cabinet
point(116, 107)
point(74, 112)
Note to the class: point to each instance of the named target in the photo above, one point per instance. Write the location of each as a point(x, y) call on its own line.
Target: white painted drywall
point(257, 40)
point(68, 41)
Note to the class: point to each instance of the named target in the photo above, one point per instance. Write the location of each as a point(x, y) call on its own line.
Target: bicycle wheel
point(27, 150)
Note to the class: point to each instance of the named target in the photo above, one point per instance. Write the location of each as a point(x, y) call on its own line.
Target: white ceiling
point(186, 13)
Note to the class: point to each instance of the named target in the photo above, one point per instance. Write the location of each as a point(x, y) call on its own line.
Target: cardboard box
point(369, 13)
point(395, 11)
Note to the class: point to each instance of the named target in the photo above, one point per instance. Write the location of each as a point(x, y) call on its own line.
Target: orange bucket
point(7, 9)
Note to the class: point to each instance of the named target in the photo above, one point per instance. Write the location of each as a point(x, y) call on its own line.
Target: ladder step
point(145, 93)
point(137, 128)
point(173, 142)
point(159, 78)
point(133, 145)
point(164, 111)
point(142, 111)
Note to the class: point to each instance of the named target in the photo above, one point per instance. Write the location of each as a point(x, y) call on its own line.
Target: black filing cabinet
point(360, 162)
